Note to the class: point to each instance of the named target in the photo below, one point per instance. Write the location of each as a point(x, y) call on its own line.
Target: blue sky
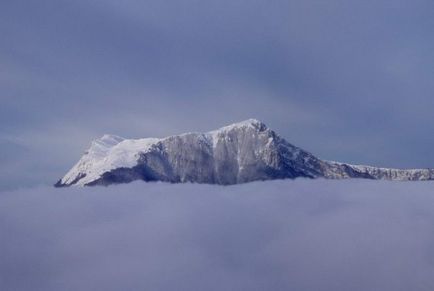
point(346, 80)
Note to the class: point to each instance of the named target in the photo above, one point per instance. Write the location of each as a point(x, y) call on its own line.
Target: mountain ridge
point(237, 153)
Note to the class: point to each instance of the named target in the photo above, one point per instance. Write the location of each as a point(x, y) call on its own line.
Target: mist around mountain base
point(275, 235)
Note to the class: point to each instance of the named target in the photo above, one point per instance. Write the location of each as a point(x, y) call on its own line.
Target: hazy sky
point(346, 80)
point(278, 235)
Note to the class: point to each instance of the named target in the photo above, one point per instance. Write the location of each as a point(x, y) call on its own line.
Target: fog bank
point(277, 235)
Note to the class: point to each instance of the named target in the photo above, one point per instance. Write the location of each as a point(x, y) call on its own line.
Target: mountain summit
point(241, 152)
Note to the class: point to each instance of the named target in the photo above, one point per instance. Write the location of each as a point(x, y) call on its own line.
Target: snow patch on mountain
point(105, 154)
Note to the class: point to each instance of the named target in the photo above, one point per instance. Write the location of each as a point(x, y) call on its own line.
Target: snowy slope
point(105, 154)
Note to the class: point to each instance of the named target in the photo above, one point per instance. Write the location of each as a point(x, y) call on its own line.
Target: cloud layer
point(277, 235)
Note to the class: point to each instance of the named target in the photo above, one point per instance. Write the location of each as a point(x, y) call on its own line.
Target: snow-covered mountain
point(241, 152)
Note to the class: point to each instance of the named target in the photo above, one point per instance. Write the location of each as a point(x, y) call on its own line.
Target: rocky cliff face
point(238, 153)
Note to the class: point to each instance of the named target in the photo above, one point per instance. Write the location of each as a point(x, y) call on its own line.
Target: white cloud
point(279, 235)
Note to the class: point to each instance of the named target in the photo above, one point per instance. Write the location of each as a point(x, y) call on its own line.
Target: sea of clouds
point(277, 235)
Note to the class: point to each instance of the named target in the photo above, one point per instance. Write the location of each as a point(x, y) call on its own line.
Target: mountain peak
point(248, 123)
point(101, 145)
point(241, 152)
point(251, 122)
